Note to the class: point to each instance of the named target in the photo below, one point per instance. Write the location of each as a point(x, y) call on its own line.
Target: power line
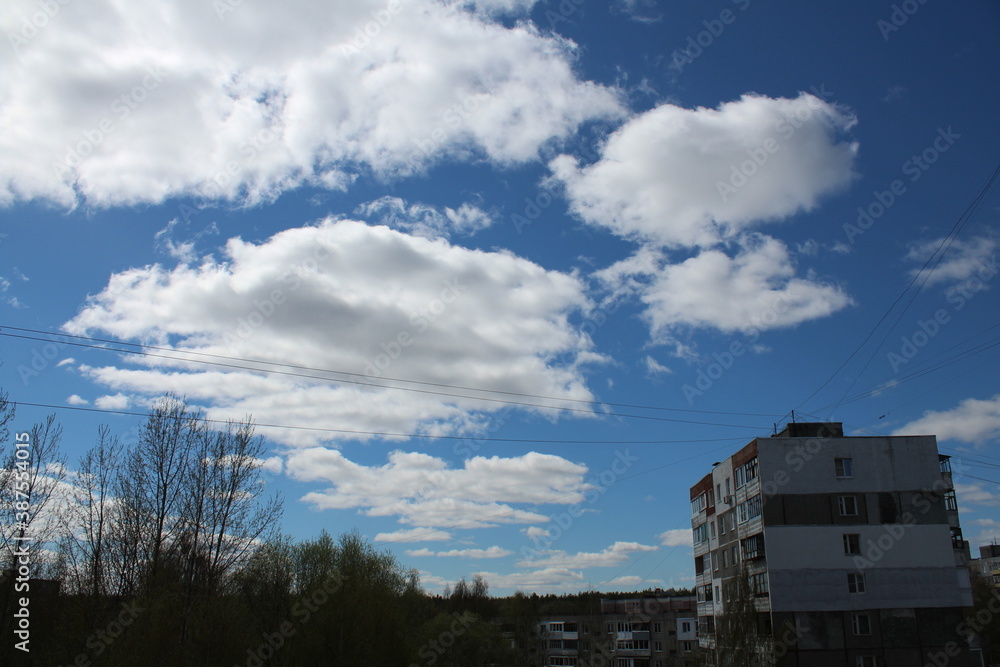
point(956, 228)
point(140, 352)
point(384, 434)
point(351, 374)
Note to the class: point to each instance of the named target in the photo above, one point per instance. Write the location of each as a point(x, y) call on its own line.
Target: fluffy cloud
point(755, 290)
point(414, 535)
point(975, 494)
point(423, 490)
point(679, 537)
point(695, 182)
point(124, 103)
point(964, 260)
point(974, 421)
point(492, 552)
point(117, 402)
point(547, 579)
point(371, 303)
point(424, 220)
point(678, 177)
point(616, 554)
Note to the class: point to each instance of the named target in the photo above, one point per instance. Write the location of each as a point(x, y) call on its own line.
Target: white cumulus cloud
point(423, 490)
point(365, 302)
point(121, 103)
point(665, 176)
point(975, 421)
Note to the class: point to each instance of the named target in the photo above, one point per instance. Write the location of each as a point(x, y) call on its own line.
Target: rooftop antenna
point(793, 416)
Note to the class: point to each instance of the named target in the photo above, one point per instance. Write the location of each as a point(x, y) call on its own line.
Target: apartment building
point(838, 551)
point(988, 564)
point(651, 631)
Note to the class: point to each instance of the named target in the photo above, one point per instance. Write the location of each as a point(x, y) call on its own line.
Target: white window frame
point(844, 467)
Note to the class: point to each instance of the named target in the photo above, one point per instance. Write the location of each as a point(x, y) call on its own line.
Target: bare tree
point(87, 522)
point(224, 512)
point(31, 475)
point(222, 517)
point(739, 637)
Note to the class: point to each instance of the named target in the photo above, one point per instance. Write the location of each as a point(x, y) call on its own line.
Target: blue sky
point(501, 279)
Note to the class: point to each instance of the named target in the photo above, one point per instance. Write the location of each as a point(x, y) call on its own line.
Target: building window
point(729, 489)
point(712, 531)
point(658, 646)
point(852, 543)
point(722, 525)
point(844, 467)
point(698, 504)
point(758, 584)
point(855, 582)
point(718, 595)
point(866, 661)
point(753, 547)
point(956, 538)
point(950, 502)
point(700, 533)
point(685, 626)
point(749, 510)
point(848, 505)
point(746, 473)
point(657, 627)
point(861, 624)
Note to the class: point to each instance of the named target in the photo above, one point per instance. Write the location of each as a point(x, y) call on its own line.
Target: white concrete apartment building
point(851, 546)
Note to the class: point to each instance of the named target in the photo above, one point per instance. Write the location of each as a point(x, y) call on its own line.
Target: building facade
point(651, 631)
point(987, 565)
point(837, 551)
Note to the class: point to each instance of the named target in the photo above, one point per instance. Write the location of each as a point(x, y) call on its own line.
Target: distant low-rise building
point(650, 631)
point(988, 564)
